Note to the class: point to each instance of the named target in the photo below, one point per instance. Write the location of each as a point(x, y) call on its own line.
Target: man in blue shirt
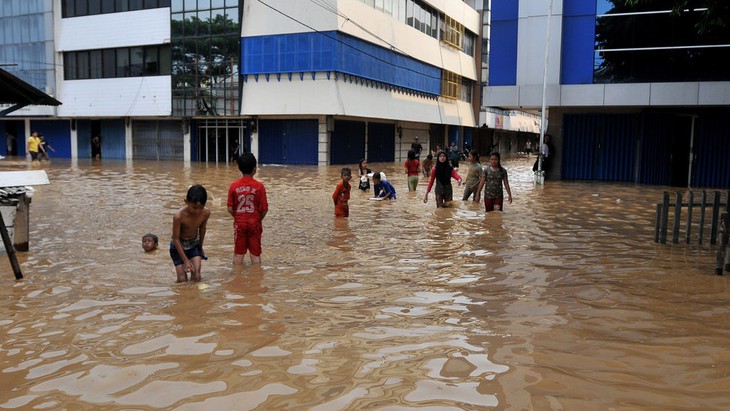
point(383, 188)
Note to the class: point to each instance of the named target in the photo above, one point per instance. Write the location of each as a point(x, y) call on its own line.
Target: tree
point(716, 17)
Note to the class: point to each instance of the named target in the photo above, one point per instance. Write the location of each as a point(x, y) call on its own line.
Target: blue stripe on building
point(577, 49)
point(503, 43)
point(332, 51)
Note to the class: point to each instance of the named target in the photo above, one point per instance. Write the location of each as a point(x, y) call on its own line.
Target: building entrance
point(221, 140)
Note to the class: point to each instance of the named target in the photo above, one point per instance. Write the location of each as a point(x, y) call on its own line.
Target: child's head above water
point(149, 242)
point(345, 172)
point(247, 164)
point(376, 178)
point(196, 195)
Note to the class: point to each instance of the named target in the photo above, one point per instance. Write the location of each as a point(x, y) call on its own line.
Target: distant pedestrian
point(427, 165)
point(473, 177)
point(491, 183)
point(413, 168)
point(417, 147)
point(342, 194)
point(364, 184)
point(382, 188)
point(442, 174)
point(96, 147)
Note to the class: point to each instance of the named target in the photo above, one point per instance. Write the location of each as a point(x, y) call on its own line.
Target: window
point(453, 32)
point(450, 85)
point(123, 62)
point(151, 60)
point(95, 64)
point(75, 8)
point(136, 61)
point(82, 68)
point(110, 63)
point(69, 66)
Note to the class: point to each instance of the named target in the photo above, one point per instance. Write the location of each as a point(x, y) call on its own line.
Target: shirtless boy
point(188, 233)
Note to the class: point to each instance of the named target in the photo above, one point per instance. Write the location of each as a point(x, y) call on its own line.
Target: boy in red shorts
point(248, 205)
point(342, 194)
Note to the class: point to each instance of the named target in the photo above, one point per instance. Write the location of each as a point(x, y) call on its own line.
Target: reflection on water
point(561, 302)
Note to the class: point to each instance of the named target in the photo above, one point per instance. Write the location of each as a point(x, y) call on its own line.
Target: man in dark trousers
point(417, 147)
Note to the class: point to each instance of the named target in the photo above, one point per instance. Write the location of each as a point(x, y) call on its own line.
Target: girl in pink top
point(442, 174)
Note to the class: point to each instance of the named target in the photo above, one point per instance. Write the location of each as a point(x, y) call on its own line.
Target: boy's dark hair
point(345, 170)
point(430, 156)
point(152, 236)
point(197, 194)
point(411, 154)
point(376, 176)
point(246, 163)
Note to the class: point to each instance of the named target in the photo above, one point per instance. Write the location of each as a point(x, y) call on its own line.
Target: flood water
point(562, 302)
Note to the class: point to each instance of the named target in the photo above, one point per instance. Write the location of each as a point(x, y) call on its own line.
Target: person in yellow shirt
point(34, 146)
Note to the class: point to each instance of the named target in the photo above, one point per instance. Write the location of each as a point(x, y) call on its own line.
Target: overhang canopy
point(18, 92)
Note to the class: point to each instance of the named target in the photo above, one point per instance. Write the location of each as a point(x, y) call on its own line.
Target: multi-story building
point(637, 93)
point(305, 82)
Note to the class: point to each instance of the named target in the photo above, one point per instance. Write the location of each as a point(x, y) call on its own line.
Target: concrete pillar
point(128, 144)
point(326, 126)
point(74, 140)
point(21, 231)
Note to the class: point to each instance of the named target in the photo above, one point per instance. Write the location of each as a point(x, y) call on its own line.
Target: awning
point(19, 93)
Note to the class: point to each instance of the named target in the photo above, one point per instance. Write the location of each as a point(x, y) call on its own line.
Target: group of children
point(490, 179)
point(248, 205)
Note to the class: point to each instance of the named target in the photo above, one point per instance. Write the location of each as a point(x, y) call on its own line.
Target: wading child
point(382, 188)
point(342, 194)
point(248, 205)
point(473, 177)
point(427, 165)
point(442, 174)
point(413, 168)
point(149, 242)
point(364, 172)
point(491, 181)
point(188, 233)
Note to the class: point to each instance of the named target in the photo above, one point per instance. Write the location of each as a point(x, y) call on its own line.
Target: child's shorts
point(196, 251)
point(492, 204)
point(247, 237)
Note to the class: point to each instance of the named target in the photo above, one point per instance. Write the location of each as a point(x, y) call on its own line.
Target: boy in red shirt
point(248, 205)
point(342, 194)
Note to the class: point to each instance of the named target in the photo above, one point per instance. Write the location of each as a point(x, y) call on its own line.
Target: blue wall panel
point(503, 53)
point(579, 7)
point(288, 141)
point(83, 133)
point(505, 9)
point(381, 142)
point(57, 134)
point(114, 141)
point(599, 147)
point(335, 51)
point(348, 142)
point(656, 166)
point(712, 150)
point(577, 51)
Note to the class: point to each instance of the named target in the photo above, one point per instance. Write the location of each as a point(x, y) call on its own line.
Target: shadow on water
point(561, 302)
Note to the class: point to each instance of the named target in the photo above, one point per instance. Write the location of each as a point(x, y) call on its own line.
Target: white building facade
point(634, 93)
point(305, 82)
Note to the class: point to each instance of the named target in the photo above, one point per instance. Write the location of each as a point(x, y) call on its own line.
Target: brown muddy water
point(563, 302)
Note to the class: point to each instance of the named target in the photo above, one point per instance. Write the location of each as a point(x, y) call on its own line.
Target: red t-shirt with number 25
point(247, 197)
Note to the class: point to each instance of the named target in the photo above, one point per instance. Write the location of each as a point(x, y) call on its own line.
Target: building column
point(187, 135)
point(326, 126)
point(74, 139)
point(255, 143)
point(128, 144)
